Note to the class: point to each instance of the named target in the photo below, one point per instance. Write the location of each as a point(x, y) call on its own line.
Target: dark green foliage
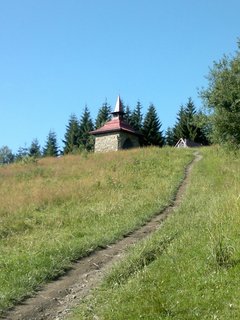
point(186, 127)
point(104, 115)
point(222, 97)
point(51, 147)
point(180, 128)
point(126, 111)
point(127, 115)
point(151, 128)
point(6, 155)
point(169, 137)
point(86, 141)
point(34, 149)
point(71, 141)
point(190, 124)
point(137, 117)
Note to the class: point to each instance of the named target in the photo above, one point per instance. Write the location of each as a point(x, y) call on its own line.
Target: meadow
point(188, 269)
point(56, 210)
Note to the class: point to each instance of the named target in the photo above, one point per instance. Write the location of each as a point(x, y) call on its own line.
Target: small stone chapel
point(116, 134)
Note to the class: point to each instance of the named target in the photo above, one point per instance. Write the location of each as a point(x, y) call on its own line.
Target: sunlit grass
point(189, 269)
point(57, 210)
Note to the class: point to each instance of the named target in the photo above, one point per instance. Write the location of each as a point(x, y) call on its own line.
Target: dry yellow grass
point(57, 210)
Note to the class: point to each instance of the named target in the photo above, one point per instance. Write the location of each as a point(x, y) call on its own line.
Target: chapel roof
point(117, 123)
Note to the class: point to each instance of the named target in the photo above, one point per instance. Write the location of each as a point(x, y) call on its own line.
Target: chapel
point(116, 134)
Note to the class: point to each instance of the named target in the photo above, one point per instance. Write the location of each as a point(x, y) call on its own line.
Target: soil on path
point(56, 299)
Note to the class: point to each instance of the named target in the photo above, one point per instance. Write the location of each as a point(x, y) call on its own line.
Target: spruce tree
point(180, 129)
point(22, 153)
point(169, 137)
point(127, 114)
point(188, 125)
point(136, 117)
point(190, 112)
point(51, 146)
point(34, 149)
point(86, 141)
point(151, 128)
point(71, 141)
point(104, 115)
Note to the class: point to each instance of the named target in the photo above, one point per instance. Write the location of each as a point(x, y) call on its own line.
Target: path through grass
point(190, 268)
point(58, 210)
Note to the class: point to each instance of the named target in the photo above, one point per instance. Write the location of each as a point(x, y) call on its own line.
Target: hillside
point(57, 210)
point(188, 269)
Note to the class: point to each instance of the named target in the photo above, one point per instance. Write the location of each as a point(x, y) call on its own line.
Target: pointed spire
point(118, 111)
point(118, 106)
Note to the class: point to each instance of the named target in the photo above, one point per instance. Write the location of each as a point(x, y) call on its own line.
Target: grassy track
point(57, 210)
point(190, 268)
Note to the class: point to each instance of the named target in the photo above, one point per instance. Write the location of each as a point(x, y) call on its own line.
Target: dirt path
point(56, 299)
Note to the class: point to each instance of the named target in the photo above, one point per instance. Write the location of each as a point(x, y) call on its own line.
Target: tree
point(136, 117)
point(104, 115)
point(35, 149)
point(51, 146)
point(22, 153)
point(222, 98)
point(189, 124)
point(71, 136)
point(169, 137)
point(127, 114)
point(6, 155)
point(86, 141)
point(151, 128)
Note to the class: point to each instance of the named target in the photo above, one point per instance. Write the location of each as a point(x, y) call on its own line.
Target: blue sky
point(56, 56)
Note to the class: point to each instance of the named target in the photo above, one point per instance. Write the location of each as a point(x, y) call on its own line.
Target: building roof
point(186, 143)
point(117, 123)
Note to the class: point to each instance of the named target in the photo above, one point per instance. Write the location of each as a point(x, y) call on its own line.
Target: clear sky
point(56, 56)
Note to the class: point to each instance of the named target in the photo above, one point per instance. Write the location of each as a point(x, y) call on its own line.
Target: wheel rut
point(56, 299)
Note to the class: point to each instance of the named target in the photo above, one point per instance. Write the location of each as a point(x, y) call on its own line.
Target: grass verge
point(194, 266)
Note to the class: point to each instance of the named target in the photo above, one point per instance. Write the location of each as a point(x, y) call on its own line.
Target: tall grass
point(194, 266)
point(57, 210)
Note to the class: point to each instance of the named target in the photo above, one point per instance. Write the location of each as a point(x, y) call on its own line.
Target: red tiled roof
point(116, 124)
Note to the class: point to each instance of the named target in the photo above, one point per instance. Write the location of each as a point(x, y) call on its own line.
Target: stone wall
point(115, 141)
point(106, 142)
point(133, 138)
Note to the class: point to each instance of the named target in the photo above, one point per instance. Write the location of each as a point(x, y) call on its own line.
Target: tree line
point(218, 122)
point(78, 139)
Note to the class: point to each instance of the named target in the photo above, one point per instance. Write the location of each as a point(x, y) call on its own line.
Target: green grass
point(189, 269)
point(58, 210)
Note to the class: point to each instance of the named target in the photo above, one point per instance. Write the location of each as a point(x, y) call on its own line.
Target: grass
point(57, 210)
point(189, 269)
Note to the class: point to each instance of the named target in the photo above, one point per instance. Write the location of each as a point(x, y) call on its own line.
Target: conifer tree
point(34, 149)
point(151, 128)
point(127, 114)
point(180, 129)
point(136, 117)
point(71, 141)
point(104, 115)
point(51, 146)
point(22, 153)
point(86, 141)
point(169, 137)
point(188, 125)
